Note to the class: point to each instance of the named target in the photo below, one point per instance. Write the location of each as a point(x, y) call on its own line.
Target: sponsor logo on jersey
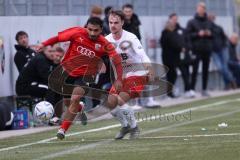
point(97, 46)
point(85, 51)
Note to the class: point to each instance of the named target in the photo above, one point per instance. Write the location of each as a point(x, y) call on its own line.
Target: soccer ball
point(43, 111)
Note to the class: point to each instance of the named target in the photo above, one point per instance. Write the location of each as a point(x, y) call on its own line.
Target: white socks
point(125, 116)
point(119, 115)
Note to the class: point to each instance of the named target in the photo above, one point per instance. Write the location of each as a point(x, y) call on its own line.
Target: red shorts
point(133, 85)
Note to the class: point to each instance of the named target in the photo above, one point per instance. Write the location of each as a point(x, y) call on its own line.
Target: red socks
point(67, 123)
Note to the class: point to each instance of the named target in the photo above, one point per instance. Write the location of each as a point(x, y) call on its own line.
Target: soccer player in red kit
point(87, 45)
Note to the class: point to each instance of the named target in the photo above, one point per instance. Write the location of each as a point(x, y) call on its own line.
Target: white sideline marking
point(93, 145)
point(159, 137)
point(54, 138)
point(190, 122)
point(117, 125)
point(193, 136)
point(75, 149)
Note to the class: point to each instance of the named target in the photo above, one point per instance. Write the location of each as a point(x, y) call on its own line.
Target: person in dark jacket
point(173, 44)
point(199, 30)
point(6, 116)
point(33, 79)
point(24, 53)
point(132, 22)
point(106, 29)
point(234, 60)
point(220, 54)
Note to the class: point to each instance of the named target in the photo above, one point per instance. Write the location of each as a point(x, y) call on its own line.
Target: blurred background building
point(82, 7)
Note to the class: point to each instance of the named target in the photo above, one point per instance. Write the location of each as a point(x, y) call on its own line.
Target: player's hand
point(39, 47)
point(118, 85)
point(201, 33)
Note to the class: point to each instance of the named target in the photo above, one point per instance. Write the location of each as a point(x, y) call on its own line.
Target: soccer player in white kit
point(133, 57)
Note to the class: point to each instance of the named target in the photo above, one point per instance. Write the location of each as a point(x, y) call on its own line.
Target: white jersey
point(132, 54)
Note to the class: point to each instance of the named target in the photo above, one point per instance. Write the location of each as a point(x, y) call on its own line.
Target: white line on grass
point(75, 149)
point(54, 138)
point(117, 125)
point(193, 136)
point(159, 137)
point(93, 145)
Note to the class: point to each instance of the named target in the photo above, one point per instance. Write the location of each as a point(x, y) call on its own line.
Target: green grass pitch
point(187, 132)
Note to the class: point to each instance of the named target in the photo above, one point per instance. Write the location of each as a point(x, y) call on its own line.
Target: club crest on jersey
point(97, 46)
point(81, 39)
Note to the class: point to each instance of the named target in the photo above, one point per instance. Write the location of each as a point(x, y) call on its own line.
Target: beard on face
point(93, 37)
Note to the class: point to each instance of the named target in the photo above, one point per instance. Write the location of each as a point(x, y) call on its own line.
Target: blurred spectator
point(96, 11)
point(6, 116)
point(33, 79)
point(234, 60)
point(24, 52)
point(106, 29)
point(199, 30)
point(173, 45)
point(220, 54)
point(132, 22)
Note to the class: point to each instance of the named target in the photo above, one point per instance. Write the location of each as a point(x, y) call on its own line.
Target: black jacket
point(232, 52)
point(106, 29)
point(133, 26)
point(5, 114)
point(22, 56)
point(219, 38)
point(172, 43)
point(37, 70)
point(199, 45)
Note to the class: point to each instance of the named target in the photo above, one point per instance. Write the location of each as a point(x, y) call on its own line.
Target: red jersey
point(83, 54)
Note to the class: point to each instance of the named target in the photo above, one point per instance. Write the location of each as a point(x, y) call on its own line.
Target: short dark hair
point(107, 10)
point(95, 21)
point(20, 33)
point(127, 5)
point(118, 13)
point(172, 15)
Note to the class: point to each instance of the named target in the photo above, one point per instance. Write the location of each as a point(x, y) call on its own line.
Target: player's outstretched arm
point(138, 48)
point(51, 41)
point(63, 36)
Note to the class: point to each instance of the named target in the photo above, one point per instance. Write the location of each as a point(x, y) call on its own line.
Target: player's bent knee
point(75, 98)
point(78, 91)
point(123, 98)
point(112, 101)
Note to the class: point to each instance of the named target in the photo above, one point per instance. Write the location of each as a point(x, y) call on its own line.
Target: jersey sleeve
point(51, 41)
point(62, 36)
point(138, 48)
point(67, 34)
